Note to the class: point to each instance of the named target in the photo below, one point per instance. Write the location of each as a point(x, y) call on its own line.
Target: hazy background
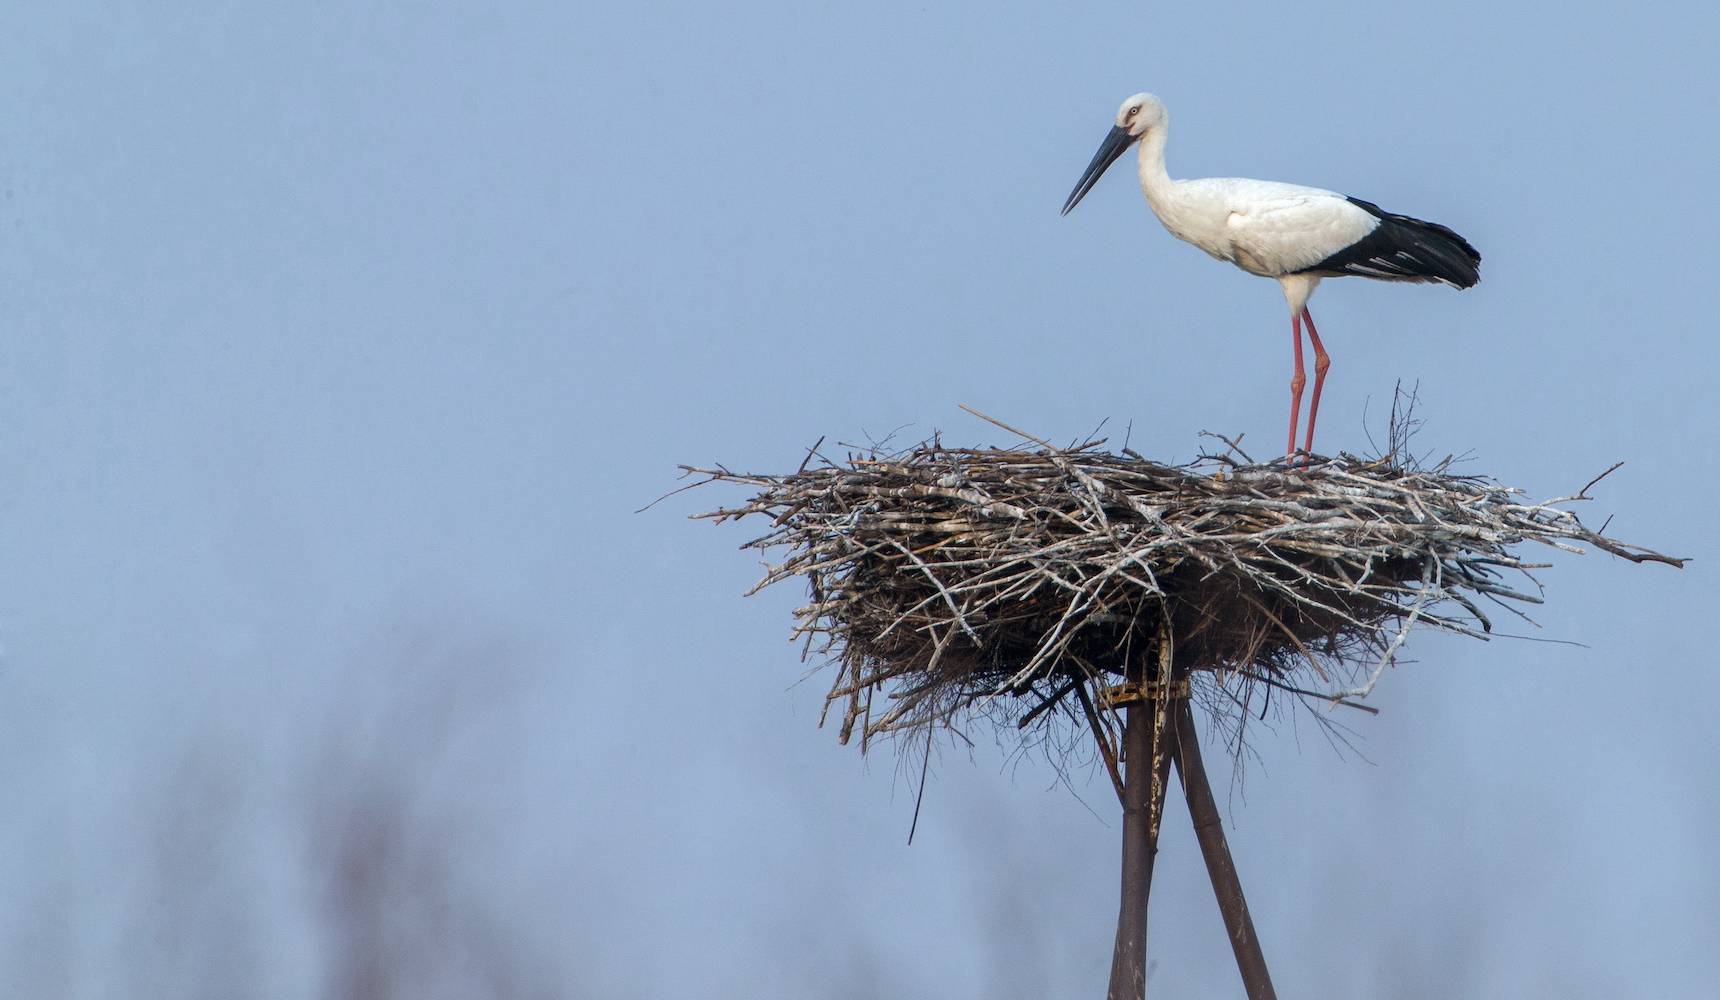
point(339, 349)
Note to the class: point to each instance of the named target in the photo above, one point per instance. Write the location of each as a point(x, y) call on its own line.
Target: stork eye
point(1134, 111)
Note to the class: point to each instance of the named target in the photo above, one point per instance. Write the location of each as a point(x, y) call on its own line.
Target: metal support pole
point(1148, 746)
point(1209, 830)
point(1143, 807)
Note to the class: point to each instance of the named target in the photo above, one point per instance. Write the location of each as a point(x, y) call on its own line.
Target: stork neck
point(1155, 182)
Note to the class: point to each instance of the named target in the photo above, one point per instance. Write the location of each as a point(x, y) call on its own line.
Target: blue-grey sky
point(339, 348)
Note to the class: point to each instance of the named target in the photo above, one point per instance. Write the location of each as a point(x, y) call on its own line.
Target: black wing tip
point(1404, 248)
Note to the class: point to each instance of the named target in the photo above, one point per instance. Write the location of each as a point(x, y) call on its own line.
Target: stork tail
point(1404, 249)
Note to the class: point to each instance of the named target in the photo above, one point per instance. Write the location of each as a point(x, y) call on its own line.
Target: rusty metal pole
point(1141, 812)
point(1209, 830)
point(1147, 749)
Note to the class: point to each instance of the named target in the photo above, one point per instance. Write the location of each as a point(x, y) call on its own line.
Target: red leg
point(1297, 381)
point(1322, 361)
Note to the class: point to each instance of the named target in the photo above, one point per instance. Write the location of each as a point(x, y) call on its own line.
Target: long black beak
point(1114, 145)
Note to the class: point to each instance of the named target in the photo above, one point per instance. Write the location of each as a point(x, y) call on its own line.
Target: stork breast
point(1244, 257)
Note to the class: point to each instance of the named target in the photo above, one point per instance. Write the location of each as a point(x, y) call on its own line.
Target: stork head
point(1139, 115)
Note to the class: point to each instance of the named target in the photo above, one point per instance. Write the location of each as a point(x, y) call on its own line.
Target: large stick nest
point(944, 577)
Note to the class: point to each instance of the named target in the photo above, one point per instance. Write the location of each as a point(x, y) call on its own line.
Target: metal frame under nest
point(955, 580)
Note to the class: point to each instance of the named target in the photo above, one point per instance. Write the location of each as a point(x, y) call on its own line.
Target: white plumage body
point(1268, 228)
point(1263, 227)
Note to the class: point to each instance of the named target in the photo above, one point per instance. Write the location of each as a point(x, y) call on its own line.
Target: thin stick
point(1013, 430)
point(1104, 743)
point(1209, 830)
point(920, 796)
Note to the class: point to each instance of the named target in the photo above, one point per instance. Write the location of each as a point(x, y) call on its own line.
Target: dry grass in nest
point(944, 579)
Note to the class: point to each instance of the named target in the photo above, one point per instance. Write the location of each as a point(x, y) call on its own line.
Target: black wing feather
point(1404, 249)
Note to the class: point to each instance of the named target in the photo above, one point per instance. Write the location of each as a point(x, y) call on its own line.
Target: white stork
point(1285, 231)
